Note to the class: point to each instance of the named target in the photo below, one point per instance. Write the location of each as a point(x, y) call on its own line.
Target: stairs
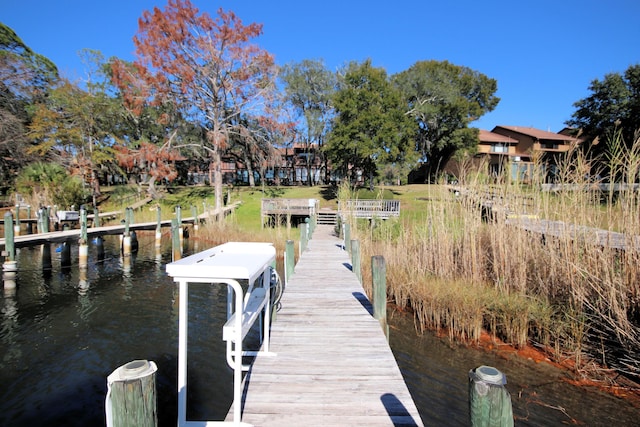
point(327, 217)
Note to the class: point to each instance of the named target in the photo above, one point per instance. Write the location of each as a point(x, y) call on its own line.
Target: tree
point(48, 184)
point(75, 128)
point(613, 106)
point(207, 69)
point(309, 87)
point(444, 99)
point(25, 79)
point(371, 128)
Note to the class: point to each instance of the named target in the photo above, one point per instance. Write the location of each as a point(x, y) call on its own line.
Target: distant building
point(516, 149)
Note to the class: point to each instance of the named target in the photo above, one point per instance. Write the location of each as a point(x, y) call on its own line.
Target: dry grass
point(460, 274)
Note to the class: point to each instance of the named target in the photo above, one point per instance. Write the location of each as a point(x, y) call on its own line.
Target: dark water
point(60, 339)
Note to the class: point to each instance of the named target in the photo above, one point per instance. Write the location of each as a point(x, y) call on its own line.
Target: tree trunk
point(247, 162)
point(217, 178)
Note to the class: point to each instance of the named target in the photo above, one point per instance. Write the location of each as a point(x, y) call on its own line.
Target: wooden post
point(83, 245)
point(99, 248)
point(158, 226)
point(45, 219)
point(489, 400)
point(176, 250)
point(16, 226)
point(179, 218)
point(379, 278)
point(131, 395)
point(289, 258)
point(303, 238)
point(29, 223)
point(47, 266)
point(9, 245)
point(194, 214)
point(126, 237)
point(9, 267)
point(96, 218)
point(65, 255)
point(347, 238)
point(355, 259)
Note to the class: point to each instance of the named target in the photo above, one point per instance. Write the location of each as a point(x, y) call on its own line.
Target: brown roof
point(536, 133)
point(486, 136)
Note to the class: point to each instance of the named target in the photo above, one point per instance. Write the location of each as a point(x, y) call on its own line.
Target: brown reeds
point(461, 274)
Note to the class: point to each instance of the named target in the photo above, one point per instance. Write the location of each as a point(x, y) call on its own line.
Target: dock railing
point(382, 209)
point(288, 208)
point(226, 264)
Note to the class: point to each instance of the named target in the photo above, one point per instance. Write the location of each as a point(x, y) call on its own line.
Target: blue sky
point(543, 54)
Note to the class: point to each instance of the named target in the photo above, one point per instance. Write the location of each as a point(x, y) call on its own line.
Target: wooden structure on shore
point(375, 208)
point(329, 362)
point(293, 210)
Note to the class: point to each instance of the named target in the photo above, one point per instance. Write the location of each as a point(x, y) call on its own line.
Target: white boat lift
point(227, 264)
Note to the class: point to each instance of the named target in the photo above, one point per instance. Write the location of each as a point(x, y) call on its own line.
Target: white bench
point(253, 306)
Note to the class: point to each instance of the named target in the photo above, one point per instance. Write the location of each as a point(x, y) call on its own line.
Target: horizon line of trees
point(201, 89)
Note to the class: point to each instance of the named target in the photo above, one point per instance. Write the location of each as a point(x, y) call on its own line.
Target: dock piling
point(355, 259)
point(379, 277)
point(131, 395)
point(489, 400)
point(289, 260)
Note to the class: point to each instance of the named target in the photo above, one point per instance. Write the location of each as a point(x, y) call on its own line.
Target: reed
point(460, 274)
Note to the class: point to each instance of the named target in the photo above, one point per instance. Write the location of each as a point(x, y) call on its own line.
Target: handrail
point(369, 208)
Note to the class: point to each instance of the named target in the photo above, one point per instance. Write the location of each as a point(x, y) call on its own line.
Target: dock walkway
point(329, 363)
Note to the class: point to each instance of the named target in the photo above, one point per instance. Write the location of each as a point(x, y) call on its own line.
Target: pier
point(328, 362)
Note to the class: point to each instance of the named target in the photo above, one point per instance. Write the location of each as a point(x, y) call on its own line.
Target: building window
point(499, 148)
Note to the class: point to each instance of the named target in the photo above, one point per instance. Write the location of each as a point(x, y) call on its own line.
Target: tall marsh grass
point(461, 275)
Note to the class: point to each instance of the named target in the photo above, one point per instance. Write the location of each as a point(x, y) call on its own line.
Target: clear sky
point(543, 53)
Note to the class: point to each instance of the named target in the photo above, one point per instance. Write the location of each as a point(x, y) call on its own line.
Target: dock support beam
point(379, 277)
point(355, 259)
point(289, 260)
point(9, 267)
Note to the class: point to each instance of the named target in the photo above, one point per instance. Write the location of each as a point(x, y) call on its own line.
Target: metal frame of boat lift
point(226, 264)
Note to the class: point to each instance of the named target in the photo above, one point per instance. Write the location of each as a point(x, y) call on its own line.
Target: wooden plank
point(329, 361)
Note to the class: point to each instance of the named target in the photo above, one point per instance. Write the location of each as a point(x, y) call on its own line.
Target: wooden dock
point(329, 363)
point(26, 240)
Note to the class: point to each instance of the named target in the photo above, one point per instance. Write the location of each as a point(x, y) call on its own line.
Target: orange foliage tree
point(207, 68)
point(156, 162)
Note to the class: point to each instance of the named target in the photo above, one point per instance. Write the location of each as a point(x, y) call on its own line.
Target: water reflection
point(436, 372)
point(63, 332)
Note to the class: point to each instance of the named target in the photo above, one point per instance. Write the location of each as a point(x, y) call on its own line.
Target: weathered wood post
point(379, 279)
point(9, 267)
point(83, 244)
point(355, 259)
point(47, 265)
point(65, 255)
point(96, 217)
point(29, 223)
point(309, 228)
point(158, 226)
point(179, 218)
point(46, 212)
point(176, 248)
point(131, 395)
point(39, 226)
point(194, 214)
point(126, 237)
point(347, 238)
point(289, 260)
point(16, 226)
point(303, 238)
point(489, 400)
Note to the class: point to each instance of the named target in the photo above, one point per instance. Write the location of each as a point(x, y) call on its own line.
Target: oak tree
point(444, 99)
point(371, 128)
